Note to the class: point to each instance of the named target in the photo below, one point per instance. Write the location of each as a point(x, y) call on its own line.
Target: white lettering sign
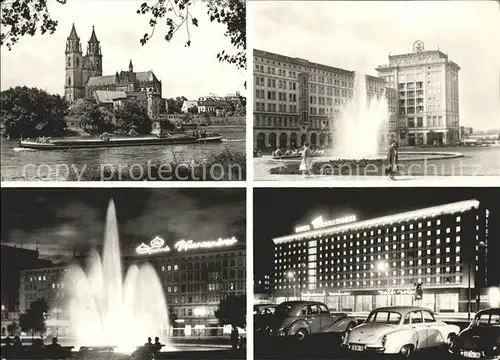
point(155, 246)
point(397, 292)
point(319, 223)
point(306, 294)
point(339, 293)
point(185, 245)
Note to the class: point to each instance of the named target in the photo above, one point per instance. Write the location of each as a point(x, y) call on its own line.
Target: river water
point(31, 165)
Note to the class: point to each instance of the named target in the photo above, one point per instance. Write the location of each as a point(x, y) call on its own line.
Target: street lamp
point(382, 267)
point(57, 311)
point(290, 275)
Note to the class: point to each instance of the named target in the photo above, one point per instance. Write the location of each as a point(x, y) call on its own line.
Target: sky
point(278, 211)
point(193, 71)
point(67, 220)
point(359, 35)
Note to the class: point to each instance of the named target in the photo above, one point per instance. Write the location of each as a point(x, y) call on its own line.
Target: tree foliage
point(27, 17)
point(33, 320)
point(92, 116)
point(176, 15)
point(193, 110)
point(232, 311)
point(32, 112)
point(133, 116)
point(175, 105)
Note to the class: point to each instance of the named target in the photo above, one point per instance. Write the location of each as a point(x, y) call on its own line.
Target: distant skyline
point(359, 36)
point(192, 72)
point(60, 221)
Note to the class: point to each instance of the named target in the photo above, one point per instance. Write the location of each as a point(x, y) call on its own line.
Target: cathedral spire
point(93, 47)
point(73, 35)
point(130, 66)
point(93, 37)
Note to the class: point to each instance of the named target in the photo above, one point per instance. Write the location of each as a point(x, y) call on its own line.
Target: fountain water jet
point(106, 310)
point(357, 131)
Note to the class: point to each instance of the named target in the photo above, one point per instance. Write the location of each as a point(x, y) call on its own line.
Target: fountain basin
point(370, 166)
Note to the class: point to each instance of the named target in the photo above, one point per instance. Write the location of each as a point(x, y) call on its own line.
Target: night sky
point(278, 211)
point(67, 220)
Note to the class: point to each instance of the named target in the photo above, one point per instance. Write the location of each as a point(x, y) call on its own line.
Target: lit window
point(457, 249)
point(411, 226)
point(428, 223)
point(438, 222)
point(419, 225)
point(457, 258)
point(438, 231)
point(447, 249)
point(428, 261)
point(428, 251)
point(458, 239)
point(411, 236)
point(428, 233)
point(458, 218)
point(458, 229)
point(438, 251)
point(448, 230)
point(447, 259)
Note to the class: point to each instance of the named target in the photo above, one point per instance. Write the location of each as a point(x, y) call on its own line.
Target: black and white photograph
point(116, 90)
point(137, 274)
point(375, 90)
point(345, 272)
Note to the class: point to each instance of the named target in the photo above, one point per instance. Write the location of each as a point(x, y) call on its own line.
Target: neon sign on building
point(319, 223)
point(157, 245)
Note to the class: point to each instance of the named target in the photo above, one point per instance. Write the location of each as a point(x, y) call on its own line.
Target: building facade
point(84, 75)
point(298, 101)
point(196, 276)
point(428, 101)
point(356, 265)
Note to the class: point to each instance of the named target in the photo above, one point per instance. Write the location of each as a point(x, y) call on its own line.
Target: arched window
point(69, 62)
point(77, 62)
point(69, 80)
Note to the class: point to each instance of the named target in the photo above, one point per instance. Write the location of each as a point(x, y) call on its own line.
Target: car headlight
point(496, 348)
point(451, 339)
point(384, 340)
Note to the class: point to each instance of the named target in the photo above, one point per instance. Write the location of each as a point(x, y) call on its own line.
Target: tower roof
point(130, 63)
point(93, 37)
point(73, 35)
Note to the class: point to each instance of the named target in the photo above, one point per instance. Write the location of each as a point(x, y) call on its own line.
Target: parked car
point(262, 316)
point(303, 318)
point(399, 330)
point(481, 339)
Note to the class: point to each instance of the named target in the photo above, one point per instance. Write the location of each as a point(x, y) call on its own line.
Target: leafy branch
point(22, 17)
point(176, 15)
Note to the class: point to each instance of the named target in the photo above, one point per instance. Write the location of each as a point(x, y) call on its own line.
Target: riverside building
point(428, 101)
point(358, 265)
point(297, 101)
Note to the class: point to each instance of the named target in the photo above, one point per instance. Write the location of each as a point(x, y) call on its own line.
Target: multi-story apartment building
point(297, 101)
point(428, 101)
point(354, 265)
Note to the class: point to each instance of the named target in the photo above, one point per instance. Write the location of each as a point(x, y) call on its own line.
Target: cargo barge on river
point(112, 141)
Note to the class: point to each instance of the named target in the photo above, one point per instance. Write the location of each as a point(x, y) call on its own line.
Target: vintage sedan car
point(481, 339)
point(303, 318)
point(399, 330)
point(262, 316)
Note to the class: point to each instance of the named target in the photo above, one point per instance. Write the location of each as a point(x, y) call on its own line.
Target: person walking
point(392, 160)
point(306, 163)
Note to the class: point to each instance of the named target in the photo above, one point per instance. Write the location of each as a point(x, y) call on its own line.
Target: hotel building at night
point(196, 276)
point(358, 265)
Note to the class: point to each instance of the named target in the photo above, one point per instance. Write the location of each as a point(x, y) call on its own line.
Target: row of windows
point(201, 265)
point(337, 79)
point(188, 288)
point(436, 280)
point(314, 89)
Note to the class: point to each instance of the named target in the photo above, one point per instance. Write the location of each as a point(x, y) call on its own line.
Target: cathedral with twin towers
point(84, 78)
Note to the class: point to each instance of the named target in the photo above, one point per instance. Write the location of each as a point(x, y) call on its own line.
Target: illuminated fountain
point(357, 131)
point(107, 310)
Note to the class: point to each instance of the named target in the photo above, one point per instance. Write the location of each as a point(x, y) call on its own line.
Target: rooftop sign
point(157, 245)
point(319, 223)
